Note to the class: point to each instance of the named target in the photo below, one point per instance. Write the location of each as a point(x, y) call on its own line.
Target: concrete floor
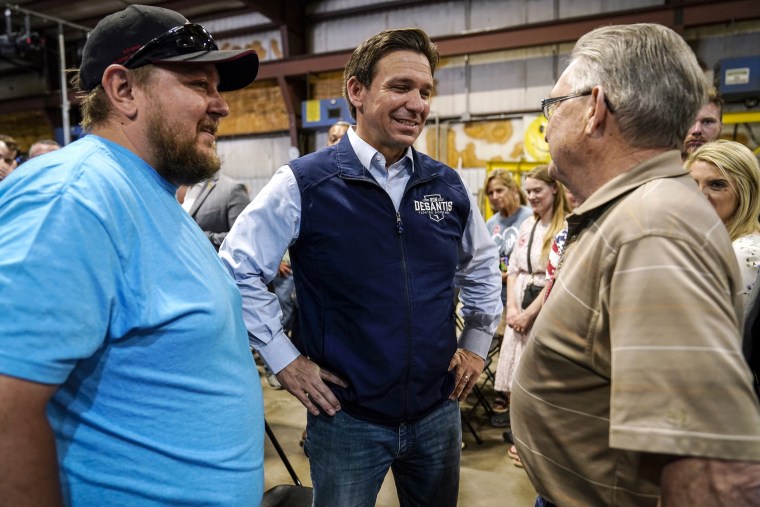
point(488, 476)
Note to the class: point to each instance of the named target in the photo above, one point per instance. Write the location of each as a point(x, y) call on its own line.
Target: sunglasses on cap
point(180, 40)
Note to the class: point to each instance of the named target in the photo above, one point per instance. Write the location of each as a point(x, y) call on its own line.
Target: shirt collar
point(366, 153)
point(665, 165)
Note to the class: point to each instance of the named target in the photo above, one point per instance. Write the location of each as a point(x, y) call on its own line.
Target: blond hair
point(560, 207)
point(506, 179)
point(739, 166)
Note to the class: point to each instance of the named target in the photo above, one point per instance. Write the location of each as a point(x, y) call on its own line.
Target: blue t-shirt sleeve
point(58, 271)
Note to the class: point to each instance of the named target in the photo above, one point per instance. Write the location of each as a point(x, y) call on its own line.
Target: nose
point(696, 128)
point(218, 106)
point(416, 102)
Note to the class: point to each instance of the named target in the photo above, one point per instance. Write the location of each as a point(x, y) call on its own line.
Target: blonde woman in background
point(728, 174)
point(510, 209)
point(527, 271)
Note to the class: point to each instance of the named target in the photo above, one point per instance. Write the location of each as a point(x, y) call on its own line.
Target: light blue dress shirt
point(269, 225)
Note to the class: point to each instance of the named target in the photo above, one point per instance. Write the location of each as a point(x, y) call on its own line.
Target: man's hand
point(468, 366)
point(284, 269)
point(304, 379)
point(703, 482)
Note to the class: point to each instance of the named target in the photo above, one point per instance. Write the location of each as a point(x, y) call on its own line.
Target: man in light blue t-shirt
point(125, 372)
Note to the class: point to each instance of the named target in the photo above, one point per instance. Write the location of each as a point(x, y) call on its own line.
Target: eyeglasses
point(549, 106)
point(179, 40)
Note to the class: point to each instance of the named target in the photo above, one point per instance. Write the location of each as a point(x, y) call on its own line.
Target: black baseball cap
point(143, 34)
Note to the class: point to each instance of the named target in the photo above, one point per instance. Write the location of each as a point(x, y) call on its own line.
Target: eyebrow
point(408, 81)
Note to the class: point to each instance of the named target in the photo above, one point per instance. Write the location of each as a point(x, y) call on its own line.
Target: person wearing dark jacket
point(215, 204)
point(380, 237)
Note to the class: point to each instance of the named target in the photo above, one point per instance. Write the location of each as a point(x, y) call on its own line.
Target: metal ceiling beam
point(555, 32)
point(678, 16)
point(174, 5)
point(363, 10)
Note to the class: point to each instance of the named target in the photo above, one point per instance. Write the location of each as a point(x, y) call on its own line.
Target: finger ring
point(467, 377)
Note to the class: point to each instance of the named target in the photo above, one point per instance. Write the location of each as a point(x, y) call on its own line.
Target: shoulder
point(426, 164)
point(747, 249)
point(431, 168)
point(319, 165)
point(523, 212)
point(672, 207)
point(83, 169)
point(526, 225)
point(750, 242)
point(230, 182)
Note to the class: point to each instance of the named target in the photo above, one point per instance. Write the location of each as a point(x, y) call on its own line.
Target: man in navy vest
point(380, 237)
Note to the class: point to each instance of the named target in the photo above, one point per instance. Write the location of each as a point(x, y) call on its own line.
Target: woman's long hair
point(560, 207)
point(739, 166)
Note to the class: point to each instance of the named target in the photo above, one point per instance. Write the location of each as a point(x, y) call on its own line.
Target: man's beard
point(179, 160)
point(692, 144)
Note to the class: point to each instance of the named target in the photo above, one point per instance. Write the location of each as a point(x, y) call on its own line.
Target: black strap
point(530, 245)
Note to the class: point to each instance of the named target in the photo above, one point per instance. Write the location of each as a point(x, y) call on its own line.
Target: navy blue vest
point(375, 288)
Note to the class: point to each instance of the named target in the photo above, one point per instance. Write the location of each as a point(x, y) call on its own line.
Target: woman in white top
point(728, 174)
point(526, 273)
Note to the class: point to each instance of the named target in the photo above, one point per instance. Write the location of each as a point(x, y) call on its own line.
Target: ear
point(356, 91)
point(118, 84)
point(597, 114)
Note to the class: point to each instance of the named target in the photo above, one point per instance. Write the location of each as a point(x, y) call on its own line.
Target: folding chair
point(286, 495)
point(477, 391)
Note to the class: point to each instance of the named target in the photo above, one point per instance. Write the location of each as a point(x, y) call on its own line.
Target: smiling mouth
point(408, 123)
point(210, 130)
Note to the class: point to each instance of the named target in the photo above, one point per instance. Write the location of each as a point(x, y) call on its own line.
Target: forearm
point(696, 482)
point(513, 300)
point(28, 463)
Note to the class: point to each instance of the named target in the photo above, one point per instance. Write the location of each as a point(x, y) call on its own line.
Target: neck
point(508, 212)
point(610, 165)
point(126, 137)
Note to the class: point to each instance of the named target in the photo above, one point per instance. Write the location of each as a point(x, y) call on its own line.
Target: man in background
point(337, 131)
point(379, 236)
point(8, 154)
point(632, 389)
point(707, 126)
point(215, 204)
point(125, 372)
point(43, 146)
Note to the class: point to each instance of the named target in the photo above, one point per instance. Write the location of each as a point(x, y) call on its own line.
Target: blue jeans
point(350, 458)
point(543, 502)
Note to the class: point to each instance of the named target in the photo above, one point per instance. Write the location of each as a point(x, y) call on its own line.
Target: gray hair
point(649, 74)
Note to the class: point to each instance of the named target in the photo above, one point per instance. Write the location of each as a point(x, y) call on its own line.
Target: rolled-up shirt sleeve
point(252, 253)
point(479, 282)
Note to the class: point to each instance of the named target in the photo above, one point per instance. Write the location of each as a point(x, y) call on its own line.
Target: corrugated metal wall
point(507, 84)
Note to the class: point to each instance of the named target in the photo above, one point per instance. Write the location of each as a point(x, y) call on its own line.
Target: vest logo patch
point(433, 206)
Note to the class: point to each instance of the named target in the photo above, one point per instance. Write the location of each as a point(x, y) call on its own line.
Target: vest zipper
point(399, 232)
point(408, 320)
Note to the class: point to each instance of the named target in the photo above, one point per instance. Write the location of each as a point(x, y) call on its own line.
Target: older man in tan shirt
point(632, 389)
